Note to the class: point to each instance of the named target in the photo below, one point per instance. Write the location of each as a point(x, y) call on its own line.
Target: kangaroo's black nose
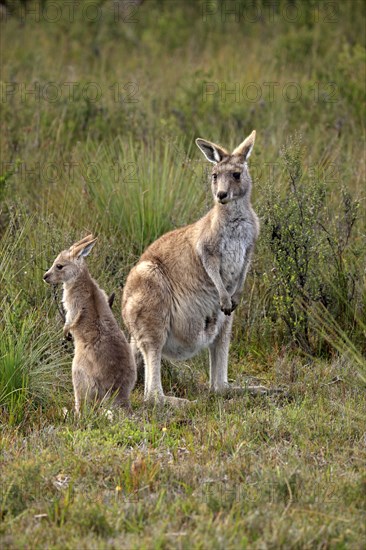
point(221, 195)
point(45, 276)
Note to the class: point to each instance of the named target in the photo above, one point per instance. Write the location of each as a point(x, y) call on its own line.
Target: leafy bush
point(308, 252)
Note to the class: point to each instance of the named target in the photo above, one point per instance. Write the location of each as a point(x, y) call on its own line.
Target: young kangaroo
point(180, 296)
point(103, 363)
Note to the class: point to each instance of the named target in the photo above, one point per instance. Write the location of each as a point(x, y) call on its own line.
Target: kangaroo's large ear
point(85, 240)
point(245, 148)
point(83, 247)
point(213, 153)
point(86, 249)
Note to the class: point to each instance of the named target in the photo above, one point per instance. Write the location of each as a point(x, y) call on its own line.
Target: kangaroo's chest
point(234, 248)
point(70, 306)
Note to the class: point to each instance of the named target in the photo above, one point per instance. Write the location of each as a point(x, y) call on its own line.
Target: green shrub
point(309, 254)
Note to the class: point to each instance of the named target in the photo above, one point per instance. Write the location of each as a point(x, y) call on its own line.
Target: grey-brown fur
point(180, 296)
point(103, 363)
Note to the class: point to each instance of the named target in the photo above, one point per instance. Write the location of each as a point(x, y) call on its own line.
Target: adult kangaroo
point(180, 296)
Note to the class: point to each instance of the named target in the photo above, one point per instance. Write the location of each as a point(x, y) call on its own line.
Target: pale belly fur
point(195, 323)
point(196, 319)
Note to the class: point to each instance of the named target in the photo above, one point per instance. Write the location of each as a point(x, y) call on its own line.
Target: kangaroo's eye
point(236, 175)
point(214, 177)
point(59, 266)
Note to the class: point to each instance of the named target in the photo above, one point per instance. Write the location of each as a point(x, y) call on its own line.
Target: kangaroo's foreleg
point(69, 325)
point(235, 299)
point(211, 263)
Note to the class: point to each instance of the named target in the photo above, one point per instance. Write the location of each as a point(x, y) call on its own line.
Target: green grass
point(284, 472)
point(239, 472)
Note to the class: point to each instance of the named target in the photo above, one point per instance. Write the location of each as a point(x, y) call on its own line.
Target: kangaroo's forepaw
point(226, 304)
point(234, 305)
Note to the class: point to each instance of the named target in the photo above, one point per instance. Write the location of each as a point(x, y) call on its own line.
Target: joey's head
point(230, 175)
point(69, 263)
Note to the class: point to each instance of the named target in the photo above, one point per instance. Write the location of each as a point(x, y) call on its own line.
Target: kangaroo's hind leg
point(219, 356)
point(152, 360)
point(139, 360)
point(146, 311)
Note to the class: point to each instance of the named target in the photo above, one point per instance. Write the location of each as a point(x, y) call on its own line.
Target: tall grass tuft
point(138, 192)
point(329, 330)
point(32, 365)
point(32, 361)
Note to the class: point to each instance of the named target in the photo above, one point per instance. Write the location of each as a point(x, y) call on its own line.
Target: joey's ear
point(85, 240)
point(213, 153)
point(245, 148)
point(86, 249)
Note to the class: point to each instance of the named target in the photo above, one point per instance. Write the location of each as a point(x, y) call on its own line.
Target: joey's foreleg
point(69, 325)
